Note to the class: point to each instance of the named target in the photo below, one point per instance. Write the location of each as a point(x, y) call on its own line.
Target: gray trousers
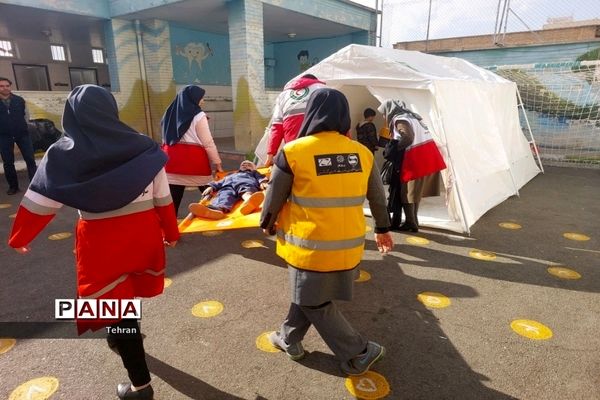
point(336, 331)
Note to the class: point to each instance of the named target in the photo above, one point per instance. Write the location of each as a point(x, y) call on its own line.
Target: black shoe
point(408, 228)
point(12, 191)
point(124, 392)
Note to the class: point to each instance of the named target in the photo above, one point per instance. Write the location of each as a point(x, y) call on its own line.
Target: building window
point(6, 48)
point(98, 56)
point(31, 77)
point(83, 76)
point(58, 52)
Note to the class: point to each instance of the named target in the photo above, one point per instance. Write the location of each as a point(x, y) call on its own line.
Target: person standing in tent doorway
point(288, 113)
point(188, 143)
point(319, 181)
point(366, 131)
point(115, 177)
point(416, 163)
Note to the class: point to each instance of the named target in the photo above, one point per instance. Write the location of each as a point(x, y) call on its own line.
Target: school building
point(241, 51)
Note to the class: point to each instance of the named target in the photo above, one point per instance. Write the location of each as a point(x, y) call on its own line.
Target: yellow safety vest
point(322, 226)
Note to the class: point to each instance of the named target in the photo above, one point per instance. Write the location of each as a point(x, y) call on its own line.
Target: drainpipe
point(140, 53)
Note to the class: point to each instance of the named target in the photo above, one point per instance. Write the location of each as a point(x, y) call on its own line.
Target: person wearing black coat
point(13, 130)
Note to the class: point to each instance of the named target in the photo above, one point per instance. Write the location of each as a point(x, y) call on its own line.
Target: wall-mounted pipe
point(142, 62)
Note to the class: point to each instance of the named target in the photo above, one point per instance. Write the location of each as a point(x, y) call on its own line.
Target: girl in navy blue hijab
point(114, 176)
point(97, 154)
point(181, 112)
point(188, 142)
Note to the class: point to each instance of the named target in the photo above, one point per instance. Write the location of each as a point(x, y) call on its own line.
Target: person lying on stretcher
point(246, 184)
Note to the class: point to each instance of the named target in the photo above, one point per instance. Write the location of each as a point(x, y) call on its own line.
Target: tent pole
point(532, 141)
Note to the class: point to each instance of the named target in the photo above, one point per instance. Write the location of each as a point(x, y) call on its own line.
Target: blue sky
point(406, 20)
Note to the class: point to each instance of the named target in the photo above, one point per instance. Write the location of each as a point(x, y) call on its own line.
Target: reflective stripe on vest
point(321, 244)
point(327, 202)
point(322, 226)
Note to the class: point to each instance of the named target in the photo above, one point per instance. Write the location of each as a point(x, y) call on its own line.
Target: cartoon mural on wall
point(199, 57)
point(303, 59)
point(195, 53)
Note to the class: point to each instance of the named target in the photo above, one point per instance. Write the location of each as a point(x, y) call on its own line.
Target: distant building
point(554, 44)
point(568, 22)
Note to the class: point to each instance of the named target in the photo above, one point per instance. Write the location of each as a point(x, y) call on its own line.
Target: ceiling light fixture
point(291, 35)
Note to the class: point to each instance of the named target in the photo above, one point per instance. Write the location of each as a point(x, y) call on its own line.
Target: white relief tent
point(472, 113)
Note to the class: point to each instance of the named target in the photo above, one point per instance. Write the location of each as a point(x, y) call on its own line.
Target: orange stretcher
point(234, 220)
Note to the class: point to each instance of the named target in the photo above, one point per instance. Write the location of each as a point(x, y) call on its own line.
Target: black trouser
point(177, 194)
point(130, 347)
point(7, 152)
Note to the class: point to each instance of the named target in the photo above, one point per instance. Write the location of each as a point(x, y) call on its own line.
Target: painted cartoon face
point(196, 51)
point(303, 59)
point(193, 52)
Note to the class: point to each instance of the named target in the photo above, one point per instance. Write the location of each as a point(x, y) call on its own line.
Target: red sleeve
point(168, 221)
point(26, 227)
point(275, 138)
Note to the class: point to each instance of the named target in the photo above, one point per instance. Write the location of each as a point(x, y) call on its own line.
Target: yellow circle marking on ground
point(368, 229)
point(253, 244)
point(433, 299)
point(60, 236)
point(13, 215)
point(482, 255)
point(531, 329)
point(363, 276)
point(168, 282)
point(564, 273)
point(35, 389)
point(369, 385)
point(207, 309)
point(417, 240)
point(212, 233)
point(509, 225)
point(5, 205)
point(6, 344)
point(576, 236)
point(262, 343)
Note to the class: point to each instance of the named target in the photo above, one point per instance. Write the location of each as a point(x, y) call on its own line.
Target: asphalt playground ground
point(518, 316)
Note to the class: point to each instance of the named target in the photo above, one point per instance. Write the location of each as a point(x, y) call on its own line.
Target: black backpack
point(43, 133)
